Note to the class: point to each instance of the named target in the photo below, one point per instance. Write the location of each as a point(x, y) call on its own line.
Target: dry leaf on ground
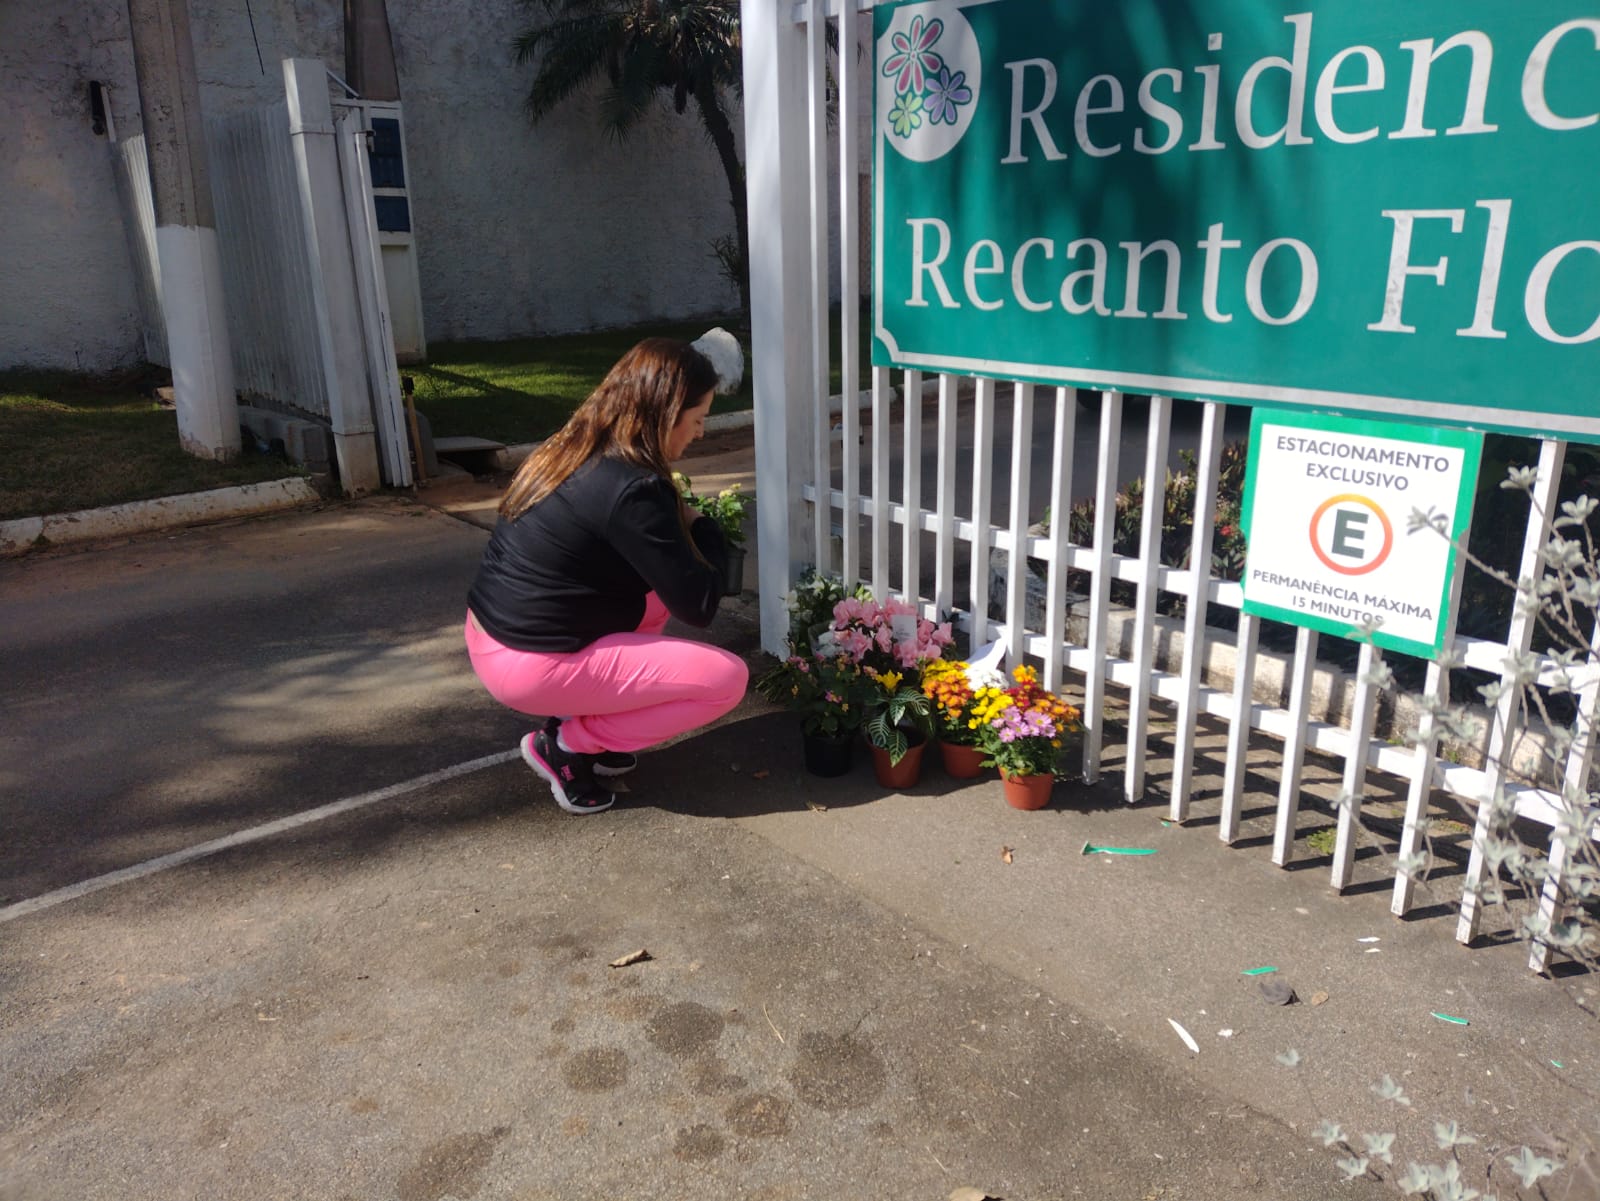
point(1005, 853)
point(631, 957)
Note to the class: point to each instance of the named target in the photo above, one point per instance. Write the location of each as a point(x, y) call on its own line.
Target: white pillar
point(186, 233)
point(778, 187)
point(340, 334)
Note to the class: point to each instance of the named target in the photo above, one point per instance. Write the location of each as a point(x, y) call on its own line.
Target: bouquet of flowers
point(886, 637)
point(727, 508)
point(1020, 726)
point(855, 662)
point(810, 607)
point(946, 685)
point(825, 692)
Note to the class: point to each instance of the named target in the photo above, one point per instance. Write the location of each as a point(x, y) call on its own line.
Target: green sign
point(1389, 208)
point(1327, 514)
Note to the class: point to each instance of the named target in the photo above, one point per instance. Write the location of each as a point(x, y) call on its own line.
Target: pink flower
point(943, 635)
point(855, 643)
point(884, 638)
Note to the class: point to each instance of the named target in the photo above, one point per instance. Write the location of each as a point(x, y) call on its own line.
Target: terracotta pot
point(961, 762)
point(1027, 792)
point(828, 756)
point(902, 775)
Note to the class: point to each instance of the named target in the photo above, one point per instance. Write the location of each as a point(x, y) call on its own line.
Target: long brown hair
point(628, 416)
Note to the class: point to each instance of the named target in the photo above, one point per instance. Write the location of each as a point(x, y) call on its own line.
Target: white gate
point(266, 271)
point(308, 322)
point(843, 515)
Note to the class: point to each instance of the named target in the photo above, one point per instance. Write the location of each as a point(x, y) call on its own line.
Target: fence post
point(333, 282)
point(778, 187)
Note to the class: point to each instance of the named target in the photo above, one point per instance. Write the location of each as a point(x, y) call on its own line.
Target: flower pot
point(827, 756)
point(902, 775)
point(733, 571)
point(1027, 792)
point(961, 762)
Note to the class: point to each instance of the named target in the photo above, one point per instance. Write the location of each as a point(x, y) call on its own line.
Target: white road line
point(150, 866)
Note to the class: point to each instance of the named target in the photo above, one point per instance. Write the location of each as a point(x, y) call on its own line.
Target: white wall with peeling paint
point(521, 229)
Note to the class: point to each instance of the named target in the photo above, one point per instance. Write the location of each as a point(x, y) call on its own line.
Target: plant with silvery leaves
point(1455, 1165)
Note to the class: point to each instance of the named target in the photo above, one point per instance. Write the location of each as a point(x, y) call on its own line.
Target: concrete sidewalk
point(851, 993)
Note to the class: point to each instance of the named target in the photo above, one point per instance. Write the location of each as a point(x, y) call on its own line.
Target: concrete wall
point(66, 287)
point(521, 229)
point(547, 228)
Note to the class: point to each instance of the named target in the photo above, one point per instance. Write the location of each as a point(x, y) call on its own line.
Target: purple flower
point(945, 95)
point(914, 59)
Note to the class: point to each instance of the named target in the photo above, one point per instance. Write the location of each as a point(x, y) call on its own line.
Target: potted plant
point(728, 509)
point(897, 725)
point(1020, 728)
point(824, 692)
point(949, 690)
point(837, 637)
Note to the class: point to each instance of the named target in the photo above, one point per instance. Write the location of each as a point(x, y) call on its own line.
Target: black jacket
point(577, 565)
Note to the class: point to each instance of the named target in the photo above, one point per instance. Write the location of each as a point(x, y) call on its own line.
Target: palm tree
point(688, 47)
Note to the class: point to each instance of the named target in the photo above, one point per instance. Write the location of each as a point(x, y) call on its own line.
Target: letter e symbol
point(1349, 531)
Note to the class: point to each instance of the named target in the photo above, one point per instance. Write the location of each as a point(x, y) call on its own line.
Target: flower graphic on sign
point(906, 114)
point(928, 72)
point(946, 95)
point(914, 59)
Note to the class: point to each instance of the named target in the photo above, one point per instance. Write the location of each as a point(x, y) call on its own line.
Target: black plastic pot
point(733, 572)
point(828, 756)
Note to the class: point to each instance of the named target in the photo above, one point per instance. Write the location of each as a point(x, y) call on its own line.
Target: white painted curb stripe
point(255, 834)
point(163, 512)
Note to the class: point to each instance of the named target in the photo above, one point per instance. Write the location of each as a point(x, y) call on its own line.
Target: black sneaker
point(570, 776)
point(607, 764)
point(614, 763)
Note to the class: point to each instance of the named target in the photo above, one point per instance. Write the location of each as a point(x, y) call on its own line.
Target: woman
point(593, 550)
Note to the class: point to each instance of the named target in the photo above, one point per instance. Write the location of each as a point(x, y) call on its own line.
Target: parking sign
point(1328, 517)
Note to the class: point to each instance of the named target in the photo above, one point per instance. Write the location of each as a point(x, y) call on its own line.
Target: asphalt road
point(849, 993)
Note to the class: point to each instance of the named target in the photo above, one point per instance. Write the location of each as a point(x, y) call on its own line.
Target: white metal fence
point(788, 124)
point(266, 270)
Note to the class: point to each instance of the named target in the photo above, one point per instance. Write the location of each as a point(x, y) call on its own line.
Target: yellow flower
point(890, 680)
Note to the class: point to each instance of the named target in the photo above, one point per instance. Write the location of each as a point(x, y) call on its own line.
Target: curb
point(141, 516)
point(511, 457)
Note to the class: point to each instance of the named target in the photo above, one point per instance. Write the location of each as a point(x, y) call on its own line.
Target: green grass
point(71, 442)
point(1322, 841)
point(524, 390)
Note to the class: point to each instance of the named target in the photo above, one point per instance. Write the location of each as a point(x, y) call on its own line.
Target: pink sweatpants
point(623, 692)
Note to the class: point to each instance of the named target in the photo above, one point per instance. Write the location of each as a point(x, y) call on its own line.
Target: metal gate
point(842, 512)
point(301, 267)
